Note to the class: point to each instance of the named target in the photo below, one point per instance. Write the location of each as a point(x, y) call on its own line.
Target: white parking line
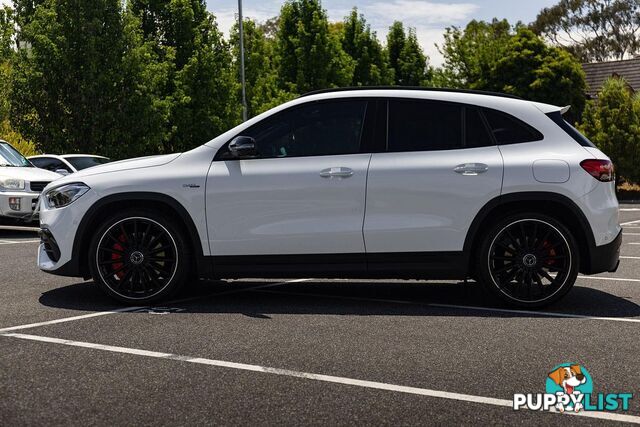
point(629, 209)
point(127, 309)
point(13, 242)
point(456, 306)
point(617, 279)
point(630, 222)
point(309, 376)
point(630, 257)
point(631, 234)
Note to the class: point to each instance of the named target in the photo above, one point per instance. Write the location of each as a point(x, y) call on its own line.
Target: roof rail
point(429, 89)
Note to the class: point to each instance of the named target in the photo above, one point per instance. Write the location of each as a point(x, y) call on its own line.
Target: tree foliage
point(612, 122)
point(497, 57)
point(593, 30)
point(309, 55)
point(406, 58)
point(368, 55)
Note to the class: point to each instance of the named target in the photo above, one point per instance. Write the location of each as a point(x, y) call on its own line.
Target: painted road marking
point(629, 209)
point(463, 307)
point(310, 376)
point(631, 234)
point(129, 309)
point(630, 257)
point(13, 242)
point(14, 228)
point(631, 222)
point(617, 279)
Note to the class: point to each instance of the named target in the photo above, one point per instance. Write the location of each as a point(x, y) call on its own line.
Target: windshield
point(11, 157)
point(86, 162)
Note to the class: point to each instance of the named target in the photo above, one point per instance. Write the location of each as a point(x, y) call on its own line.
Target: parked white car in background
point(20, 183)
point(424, 184)
point(67, 163)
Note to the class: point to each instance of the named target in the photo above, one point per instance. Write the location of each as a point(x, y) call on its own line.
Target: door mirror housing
point(242, 147)
point(62, 172)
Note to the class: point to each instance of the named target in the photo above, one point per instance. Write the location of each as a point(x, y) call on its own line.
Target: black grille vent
point(38, 185)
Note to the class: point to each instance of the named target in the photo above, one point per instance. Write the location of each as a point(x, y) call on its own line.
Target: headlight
point(7, 183)
point(65, 195)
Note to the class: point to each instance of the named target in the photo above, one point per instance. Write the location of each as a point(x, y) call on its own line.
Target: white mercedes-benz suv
point(373, 183)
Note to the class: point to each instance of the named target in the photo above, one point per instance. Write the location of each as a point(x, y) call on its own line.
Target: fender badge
point(190, 186)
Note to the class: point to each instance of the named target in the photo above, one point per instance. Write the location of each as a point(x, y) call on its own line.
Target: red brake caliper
point(550, 253)
point(116, 256)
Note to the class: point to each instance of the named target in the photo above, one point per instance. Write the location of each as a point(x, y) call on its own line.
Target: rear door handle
point(336, 172)
point(471, 168)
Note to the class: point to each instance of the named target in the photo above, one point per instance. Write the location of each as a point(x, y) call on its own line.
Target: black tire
point(528, 260)
point(139, 256)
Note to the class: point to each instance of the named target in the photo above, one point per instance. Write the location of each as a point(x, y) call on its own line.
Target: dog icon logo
point(571, 380)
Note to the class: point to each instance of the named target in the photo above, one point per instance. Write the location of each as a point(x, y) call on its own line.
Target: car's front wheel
point(528, 260)
point(139, 256)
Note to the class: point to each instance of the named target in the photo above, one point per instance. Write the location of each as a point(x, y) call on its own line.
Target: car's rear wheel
point(528, 260)
point(139, 257)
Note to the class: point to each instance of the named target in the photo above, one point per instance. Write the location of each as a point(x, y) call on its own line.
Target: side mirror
point(243, 146)
point(62, 171)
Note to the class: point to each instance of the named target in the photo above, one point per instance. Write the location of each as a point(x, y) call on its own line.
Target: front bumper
point(605, 258)
point(18, 204)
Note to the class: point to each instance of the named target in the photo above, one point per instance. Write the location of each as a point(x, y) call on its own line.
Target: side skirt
point(405, 265)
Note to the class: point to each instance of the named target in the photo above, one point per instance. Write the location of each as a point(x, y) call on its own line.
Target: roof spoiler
point(563, 110)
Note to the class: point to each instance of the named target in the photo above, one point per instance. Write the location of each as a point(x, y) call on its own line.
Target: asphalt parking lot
point(309, 351)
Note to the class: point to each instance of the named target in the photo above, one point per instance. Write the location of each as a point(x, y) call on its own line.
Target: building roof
point(598, 72)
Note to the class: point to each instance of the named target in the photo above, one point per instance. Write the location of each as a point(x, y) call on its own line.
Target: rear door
point(440, 167)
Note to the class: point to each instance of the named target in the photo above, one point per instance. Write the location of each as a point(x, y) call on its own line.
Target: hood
point(29, 174)
point(122, 165)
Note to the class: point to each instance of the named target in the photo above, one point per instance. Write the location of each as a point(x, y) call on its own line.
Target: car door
point(440, 167)
point(302, 194)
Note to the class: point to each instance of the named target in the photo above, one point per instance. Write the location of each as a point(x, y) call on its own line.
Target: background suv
point(20, 184)
point(350, 183)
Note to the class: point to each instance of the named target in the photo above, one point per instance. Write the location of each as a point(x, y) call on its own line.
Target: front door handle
point(336, 172)
point(471, 168)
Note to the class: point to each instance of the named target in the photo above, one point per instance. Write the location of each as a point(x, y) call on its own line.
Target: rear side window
point(417, 125)
point(476, 133)
point(507, 129)
point(573, 132)
point(315, 129)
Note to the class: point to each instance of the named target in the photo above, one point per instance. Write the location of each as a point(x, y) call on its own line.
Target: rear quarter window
point(507, 129)
point(573, 132)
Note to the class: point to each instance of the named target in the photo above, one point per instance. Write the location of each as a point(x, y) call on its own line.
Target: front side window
point(315, 129)
point(417, 125)
point(509, 130)
point(81, 163)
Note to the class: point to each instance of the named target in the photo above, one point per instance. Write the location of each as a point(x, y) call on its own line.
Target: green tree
point(77, 86)
point(362, 45)
point(310, 56)
point(261, 80)
point(470, 53)
point(593, 30)
point(612, 122)
point(406, 58)
point(201, 88)
point(532, 70)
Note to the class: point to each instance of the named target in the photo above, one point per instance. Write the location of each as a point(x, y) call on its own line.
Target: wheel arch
point(554, 205)
point(101, 209)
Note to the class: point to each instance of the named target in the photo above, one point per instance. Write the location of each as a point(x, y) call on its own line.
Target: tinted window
point(317, 129)
point(49, 163)
point(476, 133)
point(509, 130)
point(416, 125)
point(86, 162)
point(573, 132)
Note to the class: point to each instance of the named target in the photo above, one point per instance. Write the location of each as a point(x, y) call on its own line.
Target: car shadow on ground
point(359, 298)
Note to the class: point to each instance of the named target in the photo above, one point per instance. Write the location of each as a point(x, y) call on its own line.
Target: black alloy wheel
point(530, 261)
point(138, 258)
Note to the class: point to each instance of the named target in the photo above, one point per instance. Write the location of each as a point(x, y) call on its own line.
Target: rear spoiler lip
point(564, 109)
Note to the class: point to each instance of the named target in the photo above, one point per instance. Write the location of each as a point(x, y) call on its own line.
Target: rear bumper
point(605, 258)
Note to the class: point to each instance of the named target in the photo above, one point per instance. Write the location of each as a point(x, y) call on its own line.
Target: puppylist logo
point(569, 387)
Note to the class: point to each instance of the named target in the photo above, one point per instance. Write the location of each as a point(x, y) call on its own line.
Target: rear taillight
point(602, 170)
